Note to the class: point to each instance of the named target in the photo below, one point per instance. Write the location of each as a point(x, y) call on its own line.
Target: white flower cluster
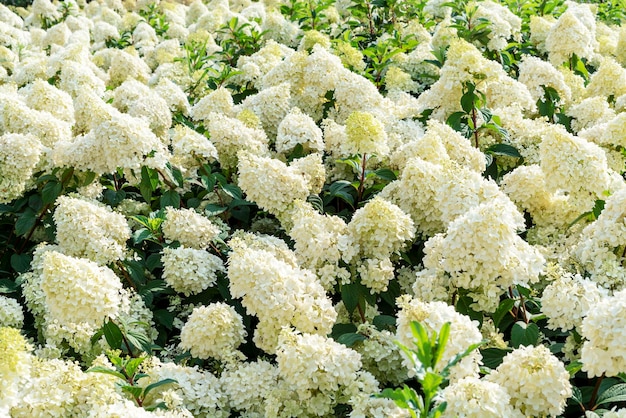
point(190, 149)
point(481, 252)
point(573, 33)
point(465, 63)
point(601, 245)
point(503, 24)
point(535, 380)
point(11, 314)
point(189, 270)
point(319, 371)
point(215, 330)
point(536, 73)
point(189, 228)
point(446, 191)
point(380, 355)
point(316, 239)
point(471, 397)
point(89, 229)
point(432, 315)
point(199, 391)
point(279, 185)
point(298, 128)
point(18, 160)
point(575, 166)
point(603, 327)
point(278, 292)
point(568, 299)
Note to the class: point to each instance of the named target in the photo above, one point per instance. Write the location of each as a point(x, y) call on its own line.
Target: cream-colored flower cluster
point(278, 292)
point(535, 380)
point(432, 315)
point(472, 397)
point(90, 229)
point(603, 327)
point(18, 160)
point(189, 228)
point(189, 270)
point(215, 330)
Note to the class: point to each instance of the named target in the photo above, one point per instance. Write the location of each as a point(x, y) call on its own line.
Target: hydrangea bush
point(240, 208)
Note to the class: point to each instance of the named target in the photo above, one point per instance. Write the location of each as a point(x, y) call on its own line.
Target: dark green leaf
point(90, 176)
point(51, 190)
point(153, 261)
point(140, 340)
point(155, 385)
point(503, 309)
point(577, 395)
point(340, 329)
point(141, 235)
point(456, 121)
point(170, 198)
point(21, 262)
point(25, 222)
point(113, 198)
point(113, 335)
point(165, 318)
point(463, 306)
point(149, 183)
point(386, 174)
point(616, 393)
point(100, 369)
point(350, 339)
point(232, 191)
point(213, 210)
point(350, 295)
point(504, 149)
point(524, 334)
point(7, 286)
point(135, 391)
point(384, 322)
point(492, 357)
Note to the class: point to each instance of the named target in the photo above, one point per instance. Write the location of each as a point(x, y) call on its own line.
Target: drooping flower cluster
point(20, 155)
point(189, 228)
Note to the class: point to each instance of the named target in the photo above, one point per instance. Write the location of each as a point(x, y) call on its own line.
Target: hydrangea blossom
point(90, 229)
point(535, 379)
point(189, 228)
point(19, 157)
point(78, 290)
point(11, 314)
point(471, 397)
point(481, 252)
point(278, 292)
point(298, 128)
point(215, 330)
point(190, 271)
point(432, 315)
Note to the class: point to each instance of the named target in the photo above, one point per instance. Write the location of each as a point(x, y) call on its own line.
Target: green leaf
point(574, 367)
point(214, 210)
point(165, 318)
point(132, 365)
point(386, 174)
point(456, 121)
point(141, 235)
point(8, 286)
point(155, 385)
point(616, 393)
point(100, 369)
point(503, 309)
point(384, 322)
point(233, 191)
point(350, 339)
point(134, 391)
point(113, 334)
point(51, 190)
point(492, 357)
point(21, 262)
point(504, 149)
point(149, 183)
point(25, 222)
point(431, 382)
point(524, 334)
point(113, 198)
point(350, 294)
point(139, 340)
point(153, 261)
point(170, 198)
point(463, 306)
point(577, 395)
